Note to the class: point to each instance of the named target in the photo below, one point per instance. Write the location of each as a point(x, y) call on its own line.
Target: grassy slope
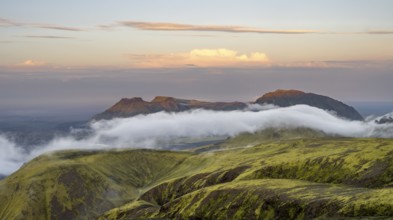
point(292, 178)
point(72, 184)
point(301, 178)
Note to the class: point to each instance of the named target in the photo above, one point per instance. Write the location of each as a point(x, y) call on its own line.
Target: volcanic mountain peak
point(285, 98)
point(283, 92)
point(126, 104)
point(163, 99)
point(135, 106)
point(131, 100)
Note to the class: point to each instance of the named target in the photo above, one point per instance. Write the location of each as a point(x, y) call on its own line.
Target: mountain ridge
point(129, 107)
point(134, 106)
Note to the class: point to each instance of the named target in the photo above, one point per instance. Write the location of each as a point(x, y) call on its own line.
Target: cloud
point(161, 129)
point(7, 23)
point(48, 37)
point(11, 156)
point(161, 26)
point(380, 32)
point(335, 64)
point(32, 63)
point(62, 28)
point(199, 57)
point(10, 23)
point(168, 26)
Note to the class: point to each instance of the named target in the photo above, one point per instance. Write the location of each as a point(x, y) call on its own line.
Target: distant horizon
point(67, 113)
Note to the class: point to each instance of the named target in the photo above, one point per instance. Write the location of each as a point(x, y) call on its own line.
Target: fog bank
point(159, 129)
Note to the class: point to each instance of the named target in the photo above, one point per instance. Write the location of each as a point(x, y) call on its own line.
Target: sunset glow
point(110, 50)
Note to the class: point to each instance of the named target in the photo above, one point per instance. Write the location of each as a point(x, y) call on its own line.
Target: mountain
point(301, 177)
point(385, 119)
point(285, 98)
point(135, 106)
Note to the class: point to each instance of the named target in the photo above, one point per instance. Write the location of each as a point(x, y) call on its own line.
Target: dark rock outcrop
point(285, 98)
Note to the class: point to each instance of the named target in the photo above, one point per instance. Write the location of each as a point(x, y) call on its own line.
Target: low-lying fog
point(157, 130)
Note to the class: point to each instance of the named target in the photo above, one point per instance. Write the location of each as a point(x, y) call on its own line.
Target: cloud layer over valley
point(160, 129)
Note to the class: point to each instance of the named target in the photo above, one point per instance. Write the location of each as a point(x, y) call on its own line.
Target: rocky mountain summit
point(285, 98)
point(128, 107)
point(135, 106)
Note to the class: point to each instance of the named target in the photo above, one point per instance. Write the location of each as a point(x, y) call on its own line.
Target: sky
point(89, 54)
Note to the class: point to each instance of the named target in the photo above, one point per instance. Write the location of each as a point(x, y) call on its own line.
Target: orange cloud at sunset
point(199, 57)
point(32, 63)
point(165, 26)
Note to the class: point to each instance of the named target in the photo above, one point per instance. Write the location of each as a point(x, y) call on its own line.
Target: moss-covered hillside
point(292, 178)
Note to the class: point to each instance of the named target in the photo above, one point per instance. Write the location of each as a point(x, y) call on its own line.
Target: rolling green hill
point(72, 184)
point(267, 175)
